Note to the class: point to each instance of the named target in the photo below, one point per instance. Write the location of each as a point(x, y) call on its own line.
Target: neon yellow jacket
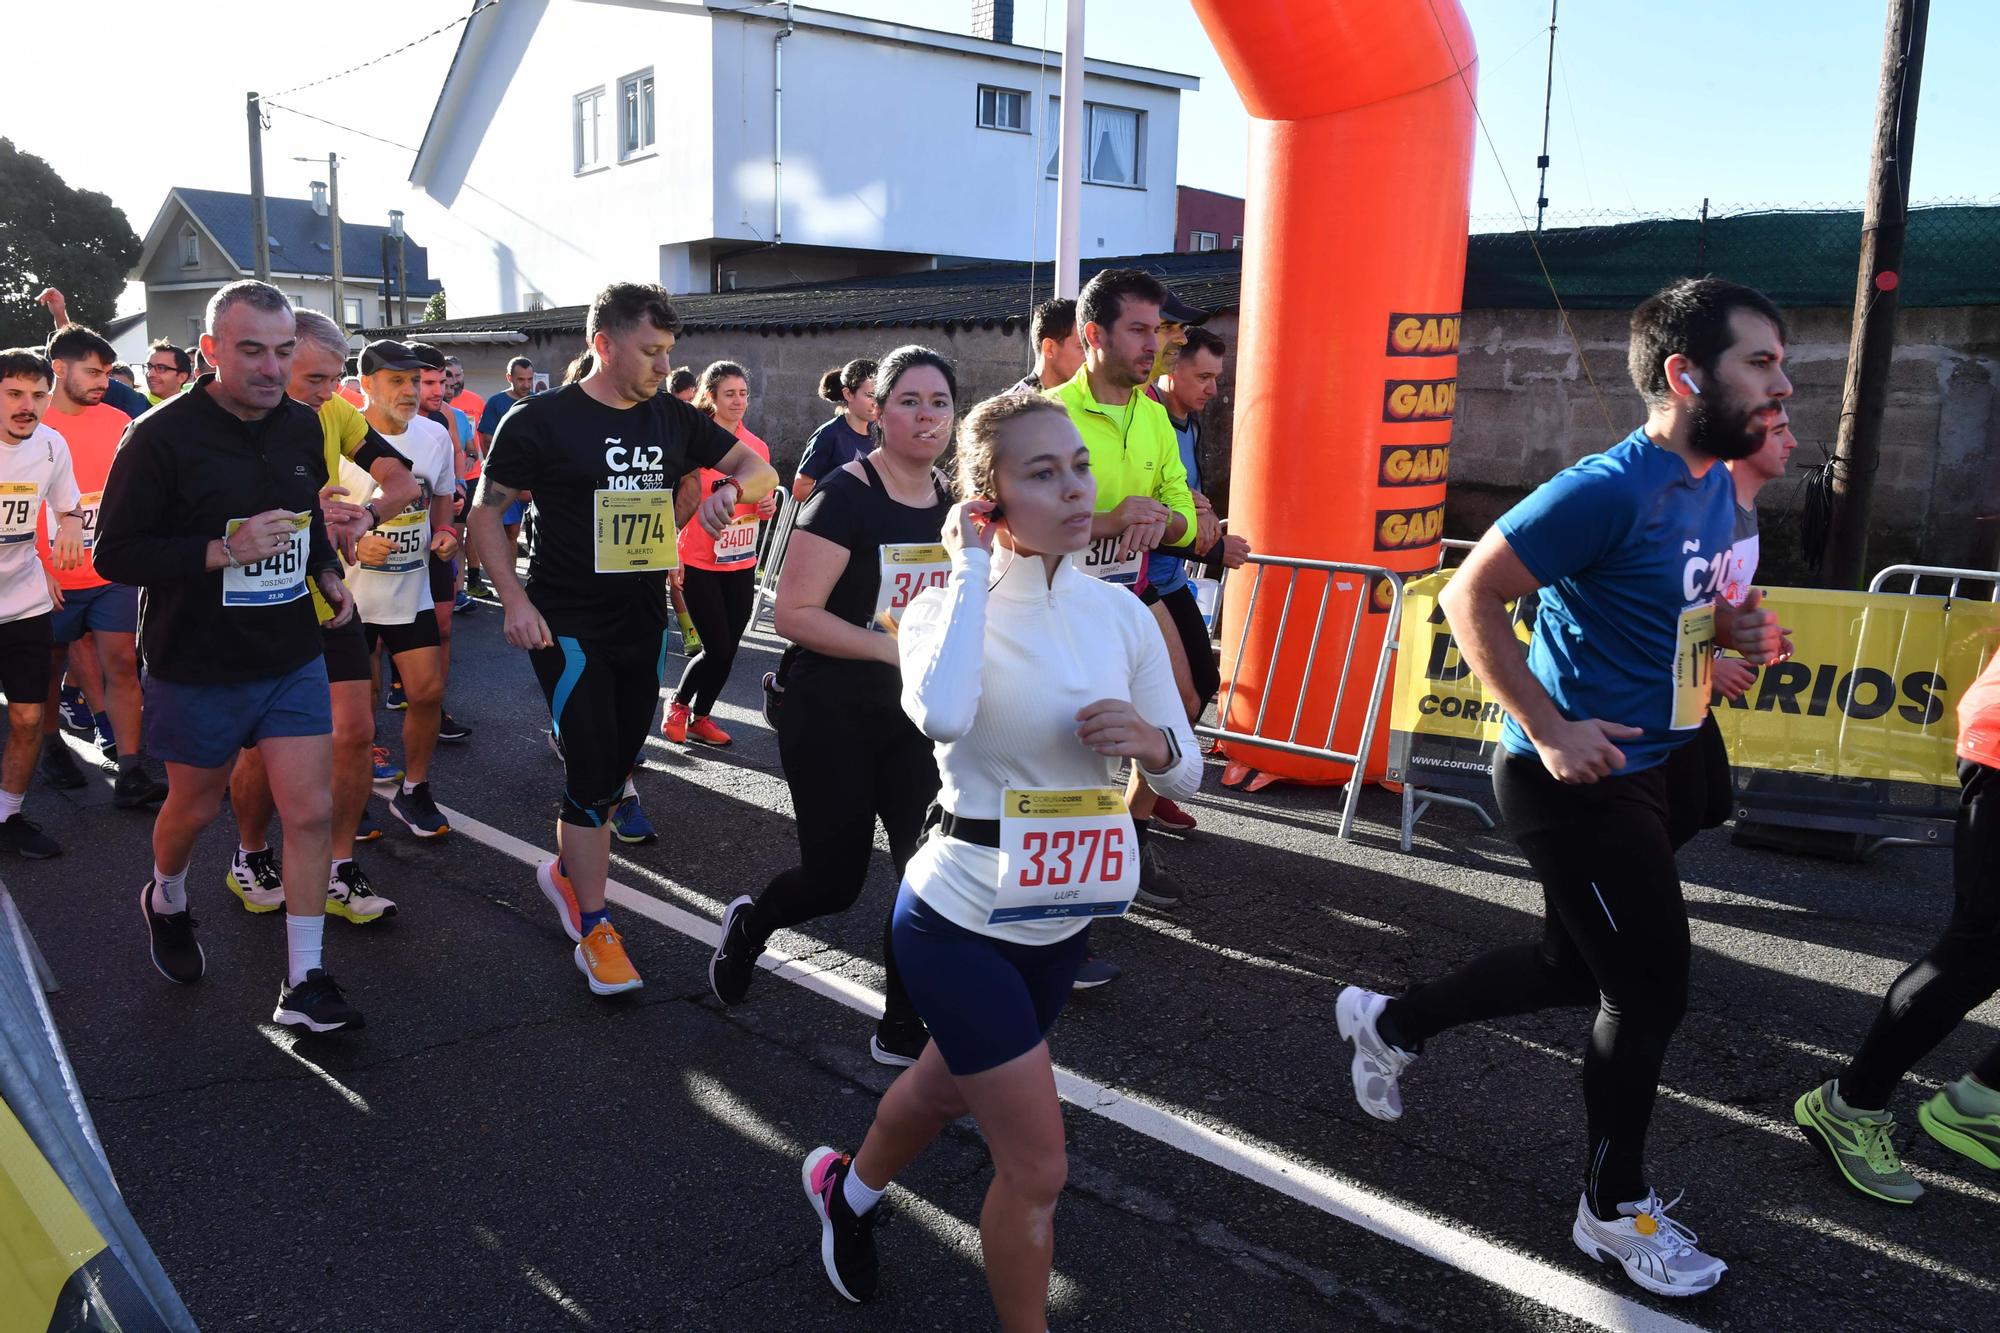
point(1144, 458)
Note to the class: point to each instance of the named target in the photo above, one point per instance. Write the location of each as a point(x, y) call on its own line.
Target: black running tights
point(1962, 969)
point(850, 759)
point(1614, 935)
point(719, 605)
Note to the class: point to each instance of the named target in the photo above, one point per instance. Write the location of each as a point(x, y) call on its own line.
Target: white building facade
point(580, 141)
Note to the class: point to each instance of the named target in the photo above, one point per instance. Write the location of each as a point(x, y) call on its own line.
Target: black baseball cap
point(1176, 311)
point(388, 354)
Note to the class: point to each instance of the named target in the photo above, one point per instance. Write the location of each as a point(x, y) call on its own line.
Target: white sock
point(631, 789)
point(859, 1197)
point(170, 893)
point(409, 786)
point(303, 935)
point(10, 804)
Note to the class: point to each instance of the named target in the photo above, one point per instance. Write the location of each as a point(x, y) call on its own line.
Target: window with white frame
point(190, 248)
point(635, 114)
point(1003, 109)
point(351, 311)
point(587, 115)
point(1113, 139)
point(1202, 240)
point(1236, 242)
point(194, 329)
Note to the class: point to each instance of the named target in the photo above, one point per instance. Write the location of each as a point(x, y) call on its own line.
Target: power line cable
point(467, 17)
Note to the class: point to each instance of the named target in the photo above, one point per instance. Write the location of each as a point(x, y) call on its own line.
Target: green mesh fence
point(1797, 257)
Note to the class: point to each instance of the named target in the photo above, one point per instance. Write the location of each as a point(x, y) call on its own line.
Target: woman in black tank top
point(866, 542)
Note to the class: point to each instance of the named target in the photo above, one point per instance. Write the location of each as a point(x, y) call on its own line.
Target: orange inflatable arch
point(1347, 357)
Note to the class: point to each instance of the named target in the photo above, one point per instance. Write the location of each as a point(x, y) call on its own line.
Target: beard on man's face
point(1728, 430)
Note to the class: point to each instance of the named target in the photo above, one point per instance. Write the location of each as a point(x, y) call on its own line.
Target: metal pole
point(1069, 162)
point(402, 282)
point(1857, 448)
point(333, 218)
point(388, 284)
point(1548, 93)
point(260, 224)
point(1701, 241)
point(778, 130)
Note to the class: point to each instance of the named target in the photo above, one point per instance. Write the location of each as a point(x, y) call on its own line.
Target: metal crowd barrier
point(1916, 574)
point(771, 558)
point(1475, 776)
point(120, 1286)
point(1853, 817)
point(1361, 580)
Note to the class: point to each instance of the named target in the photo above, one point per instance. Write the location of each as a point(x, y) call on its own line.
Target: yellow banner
point(1436, 692)
point(1872, 691)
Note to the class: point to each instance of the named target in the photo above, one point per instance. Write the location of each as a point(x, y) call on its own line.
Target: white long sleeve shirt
point(996, 665)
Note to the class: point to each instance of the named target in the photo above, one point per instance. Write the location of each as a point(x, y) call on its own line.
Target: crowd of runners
point(995, 653)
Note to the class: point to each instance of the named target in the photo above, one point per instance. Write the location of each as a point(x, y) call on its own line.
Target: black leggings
point(1185, 612)
point(1614, 934)
point(1962, 969)
point(719, 606)
point(850, 759)
point(602, 695)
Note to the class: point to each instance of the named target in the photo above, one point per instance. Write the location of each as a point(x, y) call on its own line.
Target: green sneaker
point(1974, 1136)
point(1858, 1145)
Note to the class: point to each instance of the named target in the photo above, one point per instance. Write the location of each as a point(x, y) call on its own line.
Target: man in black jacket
point(212, 510)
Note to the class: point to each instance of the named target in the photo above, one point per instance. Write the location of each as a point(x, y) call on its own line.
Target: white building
point(705, 145)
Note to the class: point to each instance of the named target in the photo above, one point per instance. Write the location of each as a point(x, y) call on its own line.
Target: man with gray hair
point(212, 510)
point(253, 874)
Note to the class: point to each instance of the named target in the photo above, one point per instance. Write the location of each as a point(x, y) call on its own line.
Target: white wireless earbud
point(1688, 380)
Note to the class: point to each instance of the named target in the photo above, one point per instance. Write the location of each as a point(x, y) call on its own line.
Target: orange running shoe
point(675, 728)
point(705, 731)
point(555, 887)
point(601, 958)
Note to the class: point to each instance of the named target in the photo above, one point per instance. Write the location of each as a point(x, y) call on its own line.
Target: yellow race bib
point(635, 531)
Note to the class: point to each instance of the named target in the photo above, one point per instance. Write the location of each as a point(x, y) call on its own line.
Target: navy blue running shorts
point(985, 1001)
point(205, 725)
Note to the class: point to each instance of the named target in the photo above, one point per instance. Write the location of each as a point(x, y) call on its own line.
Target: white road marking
point(286, 1041)
point(1524, 1275)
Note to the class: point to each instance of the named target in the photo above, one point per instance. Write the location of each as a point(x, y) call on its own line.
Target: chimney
point(993, 20)
point(319, 197)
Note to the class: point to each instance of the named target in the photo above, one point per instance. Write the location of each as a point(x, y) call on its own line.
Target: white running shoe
point(1377, 1064)
point(350, 894)
point(1656, 1252)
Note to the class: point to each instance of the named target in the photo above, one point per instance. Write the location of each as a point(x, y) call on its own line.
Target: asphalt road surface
point(501, 1150)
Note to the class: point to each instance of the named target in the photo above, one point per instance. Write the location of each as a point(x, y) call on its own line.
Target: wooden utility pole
point(1857, 447)
point(333, 230)
point(260, 224)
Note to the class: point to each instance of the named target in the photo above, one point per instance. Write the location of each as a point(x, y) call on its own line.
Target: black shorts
point(444, 579)
point(1185, 612)
point(26, 646)
point(419, 633)
point(346, 651)
point(602, 696)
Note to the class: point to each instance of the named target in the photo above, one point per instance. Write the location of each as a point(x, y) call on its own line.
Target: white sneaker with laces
point(1655, 1251)
point(1377, 1065)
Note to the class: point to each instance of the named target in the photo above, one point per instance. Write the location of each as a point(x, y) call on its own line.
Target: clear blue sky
point(1747, 102)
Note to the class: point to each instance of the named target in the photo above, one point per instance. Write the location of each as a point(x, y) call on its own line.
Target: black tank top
point(864, 518)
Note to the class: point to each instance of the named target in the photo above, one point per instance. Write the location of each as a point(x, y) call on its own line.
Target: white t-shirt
point(396, 592)
point(31, 473)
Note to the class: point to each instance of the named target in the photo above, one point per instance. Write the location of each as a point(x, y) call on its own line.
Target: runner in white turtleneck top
point(1038, 682)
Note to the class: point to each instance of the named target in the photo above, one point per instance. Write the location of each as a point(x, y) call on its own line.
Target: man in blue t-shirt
point(1630, 550)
